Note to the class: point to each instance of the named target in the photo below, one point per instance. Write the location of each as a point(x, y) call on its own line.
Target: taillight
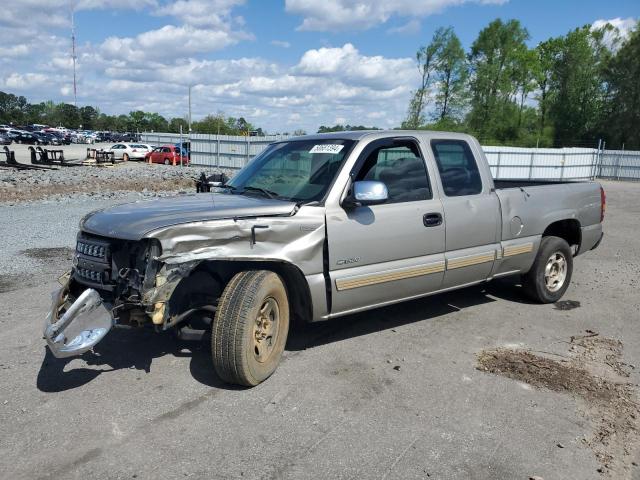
point(603, 203)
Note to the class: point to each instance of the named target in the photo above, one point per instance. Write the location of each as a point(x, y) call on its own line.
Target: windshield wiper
point(267, 193)
point(263, 191)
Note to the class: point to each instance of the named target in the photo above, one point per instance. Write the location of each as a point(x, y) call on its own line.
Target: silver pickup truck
point(315, 228)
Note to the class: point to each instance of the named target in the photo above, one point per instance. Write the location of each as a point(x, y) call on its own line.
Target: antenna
point(73, 58)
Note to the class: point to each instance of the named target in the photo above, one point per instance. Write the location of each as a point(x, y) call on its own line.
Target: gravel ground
point(91, 182)
point(474, 384)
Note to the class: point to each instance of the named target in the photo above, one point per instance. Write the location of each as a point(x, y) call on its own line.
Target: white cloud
point(14, 50)
point(280, 43)
point(151, 70)
point(410, 28)
point(349, 65)
point(327, 15)
point(622, 27)
point(169, 42)
point(24, 81)
point(202, 12)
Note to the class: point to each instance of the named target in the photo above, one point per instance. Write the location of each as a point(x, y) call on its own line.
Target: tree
point(493, 60)
point(578, 89)
point(88, 117)
point(68, 115)
point(525, 72)
point(175, 123)
point(547, 53)
point(622, 124)
point(451, 76)
point(426, 58)
point(12, 108)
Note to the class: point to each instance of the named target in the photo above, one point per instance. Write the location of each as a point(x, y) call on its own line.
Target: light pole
point(189, 108)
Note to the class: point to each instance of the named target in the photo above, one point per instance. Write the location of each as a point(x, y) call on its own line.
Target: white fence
point(224, 151)
point(543, 163)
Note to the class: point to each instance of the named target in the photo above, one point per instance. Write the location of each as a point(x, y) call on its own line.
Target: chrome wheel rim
point(555, 272)
point(265, 329)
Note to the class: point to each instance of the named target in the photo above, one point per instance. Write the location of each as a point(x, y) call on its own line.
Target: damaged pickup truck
point(315, 228)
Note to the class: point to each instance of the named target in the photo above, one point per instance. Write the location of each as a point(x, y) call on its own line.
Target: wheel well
point(569, 230)
point(204, 285)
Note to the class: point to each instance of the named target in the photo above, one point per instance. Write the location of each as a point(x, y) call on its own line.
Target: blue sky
point(283, 64)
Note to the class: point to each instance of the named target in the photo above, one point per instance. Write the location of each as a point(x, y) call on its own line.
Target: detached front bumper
point(80, 328)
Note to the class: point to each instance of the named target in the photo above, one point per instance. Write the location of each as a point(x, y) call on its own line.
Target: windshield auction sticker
point(326, 148)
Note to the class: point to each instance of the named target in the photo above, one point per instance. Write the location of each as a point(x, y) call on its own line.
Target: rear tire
point(550, 274)
point(167, 162)
point(250, 328)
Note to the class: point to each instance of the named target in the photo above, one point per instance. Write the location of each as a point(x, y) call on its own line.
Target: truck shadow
point(136, 349)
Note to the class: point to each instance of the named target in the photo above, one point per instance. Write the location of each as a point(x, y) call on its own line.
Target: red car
point(167, 154)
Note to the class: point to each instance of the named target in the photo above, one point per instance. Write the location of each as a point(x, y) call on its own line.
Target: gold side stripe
point(470, 260)
point(517, 249)
point(348, 283)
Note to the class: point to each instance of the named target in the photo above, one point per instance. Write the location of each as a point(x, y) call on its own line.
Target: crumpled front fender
point(80, 328)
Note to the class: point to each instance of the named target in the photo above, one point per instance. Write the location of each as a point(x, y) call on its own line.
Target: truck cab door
point(471, 210)
point(384, 253)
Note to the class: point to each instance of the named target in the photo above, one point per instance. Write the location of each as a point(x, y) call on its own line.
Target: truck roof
point(360, 134)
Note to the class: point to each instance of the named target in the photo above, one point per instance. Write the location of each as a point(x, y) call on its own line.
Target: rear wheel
point(550, 274)
point(167, 162)
point(250, 327)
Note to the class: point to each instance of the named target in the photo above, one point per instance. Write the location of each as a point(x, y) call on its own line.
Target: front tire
point(250, 327)
point(550, 274)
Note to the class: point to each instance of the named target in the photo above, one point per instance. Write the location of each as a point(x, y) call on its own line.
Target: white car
point(130, 151)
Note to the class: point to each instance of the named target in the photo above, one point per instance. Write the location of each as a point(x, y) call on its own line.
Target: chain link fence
point(233, 152)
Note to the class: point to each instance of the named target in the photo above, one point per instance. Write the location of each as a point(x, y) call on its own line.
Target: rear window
point(457, 167)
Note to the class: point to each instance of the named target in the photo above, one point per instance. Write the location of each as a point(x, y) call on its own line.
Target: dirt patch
point(9, 283)
point(52, 253)
point(566, 305)
point(12, 194)
point(594, 374)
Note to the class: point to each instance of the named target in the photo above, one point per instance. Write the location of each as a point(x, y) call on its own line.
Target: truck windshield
point(300, 170)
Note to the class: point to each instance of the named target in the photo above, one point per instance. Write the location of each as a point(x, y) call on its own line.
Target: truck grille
point(91, 250)
point(91, 275)
point(93, 262)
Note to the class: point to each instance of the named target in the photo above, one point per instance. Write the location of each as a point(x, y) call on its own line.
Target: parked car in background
point(52, 139)
point(168, 155)
point(5, 139)
point(28, 138)
point(130, 151)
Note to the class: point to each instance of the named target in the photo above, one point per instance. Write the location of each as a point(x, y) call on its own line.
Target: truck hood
point(132, 221)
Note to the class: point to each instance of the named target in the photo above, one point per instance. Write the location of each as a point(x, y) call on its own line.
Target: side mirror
point(366, 193)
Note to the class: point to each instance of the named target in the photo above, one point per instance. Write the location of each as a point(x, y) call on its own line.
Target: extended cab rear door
point(471, 211)
point(383, 253)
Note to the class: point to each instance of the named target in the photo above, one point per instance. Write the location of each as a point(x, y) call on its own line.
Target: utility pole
point(73, 58)
point(189, 108)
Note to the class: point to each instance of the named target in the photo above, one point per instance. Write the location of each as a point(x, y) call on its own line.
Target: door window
point(457, 166)
point(401, 168)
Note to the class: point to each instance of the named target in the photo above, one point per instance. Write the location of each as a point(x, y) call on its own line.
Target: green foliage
point(17, 111)
point(451, 77)
point(622, 117)
point(495, 58)
point(567, 91)
point(428, 58)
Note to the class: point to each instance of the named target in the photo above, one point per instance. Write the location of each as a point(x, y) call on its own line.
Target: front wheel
point(250, 327)
point(550, 274)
